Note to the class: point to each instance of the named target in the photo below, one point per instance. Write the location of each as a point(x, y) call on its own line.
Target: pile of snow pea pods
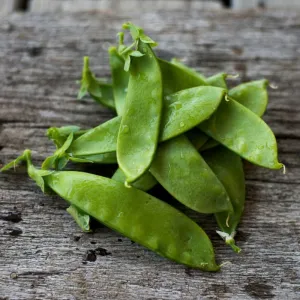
point(173, 127)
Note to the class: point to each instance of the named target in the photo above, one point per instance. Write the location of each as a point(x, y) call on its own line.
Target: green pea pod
point(253, 95)
point(81, 218)
point(218, 80)
point(139, 130)
point(101, 92)
point(228, 168)
point(177, 77)
point(183, 111)
point(243, 132)
point(119, 79)
point(181, 170)
point(145, 183)
point(134, 213)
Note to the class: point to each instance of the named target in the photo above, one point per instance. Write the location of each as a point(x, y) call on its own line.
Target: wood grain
point(43, 254)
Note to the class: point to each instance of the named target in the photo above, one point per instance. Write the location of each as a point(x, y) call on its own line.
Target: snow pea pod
point(253, 95)
point(100, 91)
point(139, 130)
point(119, 79)
point(134, 213)
point(243, 132)
point(228, 168)
point(181, 170)
point(177, 77)
point(178, 117)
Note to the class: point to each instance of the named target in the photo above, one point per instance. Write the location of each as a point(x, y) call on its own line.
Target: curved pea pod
point(100, 91)
point(243, 132)
point(120, 79)
point(139, 130)
point(145, 183)
point(189, 107)
point(177, 77)
point(253, 95)
point(181, 170)
point(141, 217)
point(228, 167)
point(100, 139)
point(218, 80)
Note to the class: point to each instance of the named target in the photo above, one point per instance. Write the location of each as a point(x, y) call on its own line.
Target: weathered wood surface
point(43, 252)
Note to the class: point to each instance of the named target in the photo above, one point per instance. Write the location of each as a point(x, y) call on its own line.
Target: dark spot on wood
point(15, 232)
point(138, 256)
point(188, 271)
point(93, 242)
point(41, 204)
point(38, 251)
point(1, 147)
point(102, 251)
point(241, 236)
point(132, 242)
point(84, 262)
point(34, 51)
point(237, 50)
point(77, 238)
point(90, 255)
point(120, 240)
point(258, 289)
point(12, 217)
point(4, 298)
point(219, 290)
point(240, 67)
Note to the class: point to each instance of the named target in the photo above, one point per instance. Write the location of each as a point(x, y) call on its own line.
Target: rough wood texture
point(122, 6)
point(43, 254)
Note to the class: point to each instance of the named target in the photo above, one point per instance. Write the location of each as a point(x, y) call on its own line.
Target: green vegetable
point(100, 91)
point(137, 215)
point(181, 170)
point(139, 130)
point(228, 168)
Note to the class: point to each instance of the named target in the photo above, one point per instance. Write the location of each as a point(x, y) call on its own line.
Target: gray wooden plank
point(124, 6)
point(42, 252)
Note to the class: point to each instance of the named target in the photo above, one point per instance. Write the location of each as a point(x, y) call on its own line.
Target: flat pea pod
point(176, 77)
point(191, 106)
point(134, 213)
point(145, 183)
point(139, 130)
point(120, 79)
point(178, 117)
point(181, 170)
point(243, 132)
point(100, 91)
point(228, 167)
point(253, 95)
